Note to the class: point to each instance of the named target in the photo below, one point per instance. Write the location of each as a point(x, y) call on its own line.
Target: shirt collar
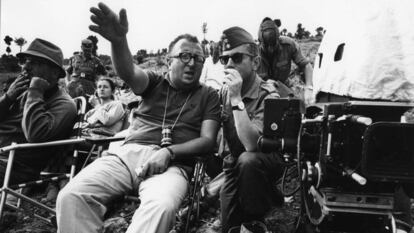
point(167, 78)
point(253, 90)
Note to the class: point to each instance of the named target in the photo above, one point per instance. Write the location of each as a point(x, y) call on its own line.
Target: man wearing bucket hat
point(248, 191)
point(84, 69)
point(277, 52)
point(34, 109)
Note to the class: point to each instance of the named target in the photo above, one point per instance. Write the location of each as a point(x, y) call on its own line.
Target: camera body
point(350, 155)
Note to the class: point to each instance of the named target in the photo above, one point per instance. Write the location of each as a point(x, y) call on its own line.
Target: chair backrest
point(81, 105)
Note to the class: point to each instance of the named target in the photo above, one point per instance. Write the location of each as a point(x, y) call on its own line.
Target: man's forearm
point(134, 76)
point(122, 59)
point(246, 131)
point(5, 103)
point(308, 75)
point(195, 147)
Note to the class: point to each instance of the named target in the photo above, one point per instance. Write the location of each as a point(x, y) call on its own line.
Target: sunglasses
point(237, 58)
point(186, 58)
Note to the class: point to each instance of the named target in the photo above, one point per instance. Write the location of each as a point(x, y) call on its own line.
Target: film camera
point(349, 156)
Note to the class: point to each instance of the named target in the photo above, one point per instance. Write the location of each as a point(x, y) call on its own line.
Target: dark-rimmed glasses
point(237, 58)
point(186, 58)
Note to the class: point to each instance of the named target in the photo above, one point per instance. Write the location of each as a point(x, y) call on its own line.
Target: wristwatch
point(240, 106)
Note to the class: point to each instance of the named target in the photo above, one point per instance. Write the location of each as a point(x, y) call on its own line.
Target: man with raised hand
point(178, 119)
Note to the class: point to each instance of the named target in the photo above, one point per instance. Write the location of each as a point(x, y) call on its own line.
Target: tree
point(8, 40)
point(319, 31)
point(20, 42)
point(301, 32)
point(94, 40)
point(283, 32)
point(204, 29)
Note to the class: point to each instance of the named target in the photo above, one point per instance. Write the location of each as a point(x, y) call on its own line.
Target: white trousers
point(81, 205)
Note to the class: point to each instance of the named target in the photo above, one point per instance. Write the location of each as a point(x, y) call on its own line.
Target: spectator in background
point(83, 71)
point(213, 71)
point(277, 52)
point(106, 116)
point(34, 109)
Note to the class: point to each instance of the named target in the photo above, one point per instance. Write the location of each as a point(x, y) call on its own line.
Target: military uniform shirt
point(254, 102)
point(278, 68)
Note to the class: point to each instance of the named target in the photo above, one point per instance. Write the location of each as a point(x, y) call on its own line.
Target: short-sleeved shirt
point(278, 67)
point(202, 104)
point(254, 103)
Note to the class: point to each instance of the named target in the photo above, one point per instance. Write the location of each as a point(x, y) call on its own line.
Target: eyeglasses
point(237, 58)
point(186, 58)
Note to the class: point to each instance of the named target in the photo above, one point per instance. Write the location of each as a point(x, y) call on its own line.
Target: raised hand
point(234, 81)
point(109, 25)
point(18, 87)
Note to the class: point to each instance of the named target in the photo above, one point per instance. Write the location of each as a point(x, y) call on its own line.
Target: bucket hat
point(46, 50)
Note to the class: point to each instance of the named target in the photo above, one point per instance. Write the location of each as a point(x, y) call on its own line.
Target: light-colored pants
point(81, 205)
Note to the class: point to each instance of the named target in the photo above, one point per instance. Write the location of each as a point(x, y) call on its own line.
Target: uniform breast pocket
point(283, 66)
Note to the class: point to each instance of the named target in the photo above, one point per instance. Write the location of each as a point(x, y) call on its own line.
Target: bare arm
point(308, 71)
point(246, 130)
point(114, 28)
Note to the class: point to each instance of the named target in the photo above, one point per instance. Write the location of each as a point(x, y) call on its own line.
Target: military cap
point(233, 38)
point(86, 43)
point(268, 24)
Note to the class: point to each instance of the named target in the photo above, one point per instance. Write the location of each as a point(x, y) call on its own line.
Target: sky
point(154, 23)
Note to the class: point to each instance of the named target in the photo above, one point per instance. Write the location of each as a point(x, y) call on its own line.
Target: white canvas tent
point(377, 57)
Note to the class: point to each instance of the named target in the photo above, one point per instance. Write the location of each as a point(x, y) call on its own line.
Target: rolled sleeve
point(212, 110)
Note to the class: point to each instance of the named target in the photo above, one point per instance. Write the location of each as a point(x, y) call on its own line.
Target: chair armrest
point(41, 144)
point(103, 140)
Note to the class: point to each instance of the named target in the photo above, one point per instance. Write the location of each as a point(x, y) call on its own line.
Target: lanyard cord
point(181, 110)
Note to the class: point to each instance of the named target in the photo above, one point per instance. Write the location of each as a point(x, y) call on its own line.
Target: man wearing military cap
point(84, 69)
point(34, 109)
point(277, 52)
point(248, 191)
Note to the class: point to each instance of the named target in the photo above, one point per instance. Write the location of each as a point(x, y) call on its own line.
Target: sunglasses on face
point(186, 58)
point(237, 58)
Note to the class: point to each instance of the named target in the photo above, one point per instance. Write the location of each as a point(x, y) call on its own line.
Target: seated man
point(177, 120)
point(34, 109)
point(248, 191)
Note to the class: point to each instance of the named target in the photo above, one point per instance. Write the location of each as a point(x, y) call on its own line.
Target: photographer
point(248, 191)
point(34, 109)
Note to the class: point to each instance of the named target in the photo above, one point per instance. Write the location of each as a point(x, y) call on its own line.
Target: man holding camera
point(177, 119)
point(34, 109)
point(248, 191)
